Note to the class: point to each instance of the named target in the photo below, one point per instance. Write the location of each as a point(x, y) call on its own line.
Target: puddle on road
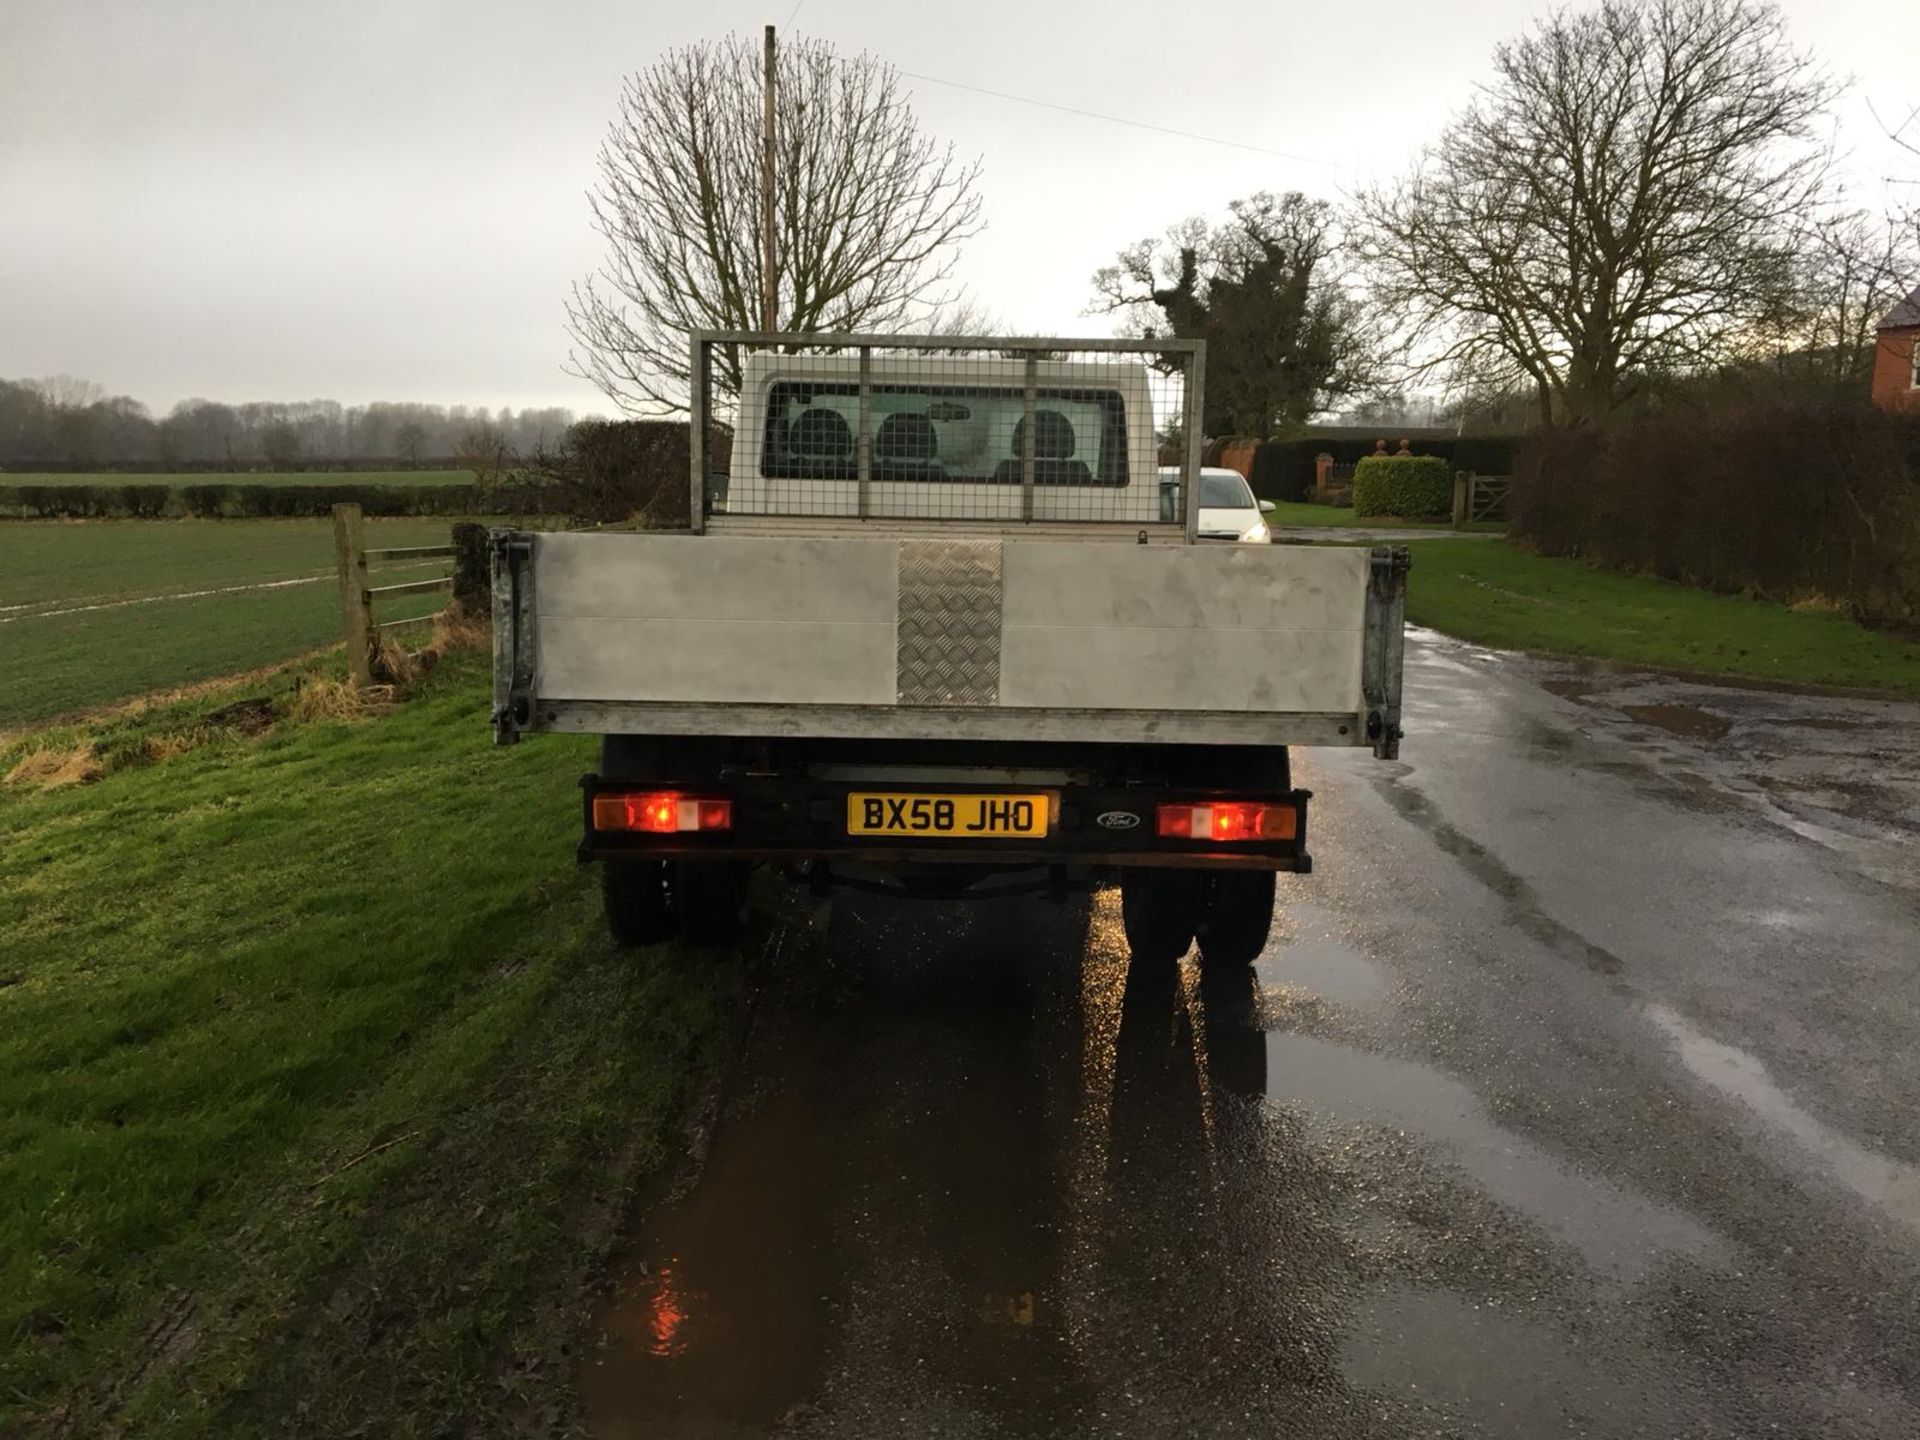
point(1500, 1369)
point(1687, 721)
point(1575, 690)
point(1887, 1184)
point(727, 1276)
point(1618, 1232)
point(883, 1171)
point(1329, 968)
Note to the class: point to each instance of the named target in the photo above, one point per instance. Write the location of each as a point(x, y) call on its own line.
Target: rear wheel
point(1239, 913)
point(1161, 911)
point(648, 901)
point(635, 897)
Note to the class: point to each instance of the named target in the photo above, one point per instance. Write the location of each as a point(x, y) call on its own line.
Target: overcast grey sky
point(283, 199)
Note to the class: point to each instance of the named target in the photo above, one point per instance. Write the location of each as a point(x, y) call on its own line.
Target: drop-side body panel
point(977, 637)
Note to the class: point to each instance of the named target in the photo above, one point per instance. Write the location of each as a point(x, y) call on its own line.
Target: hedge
point(602, 471)
point(1788, 503)
point(614, 470)
point(309, 465)
point(87, 502)
point(1283, 469)
point(1412, 487)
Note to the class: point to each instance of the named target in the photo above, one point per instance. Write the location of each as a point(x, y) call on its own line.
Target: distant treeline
point(598, 472)
point(64, 424)
point(360, 465)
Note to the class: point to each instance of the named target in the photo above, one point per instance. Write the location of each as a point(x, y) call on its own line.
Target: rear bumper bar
point(784, 818)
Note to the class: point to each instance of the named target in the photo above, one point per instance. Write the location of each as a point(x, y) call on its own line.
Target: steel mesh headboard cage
point(980, 431)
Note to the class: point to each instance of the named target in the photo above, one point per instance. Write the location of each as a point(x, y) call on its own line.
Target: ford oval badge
point(1117, 820)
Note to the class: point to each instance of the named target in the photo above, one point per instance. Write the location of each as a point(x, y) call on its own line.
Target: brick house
point(1896, 358)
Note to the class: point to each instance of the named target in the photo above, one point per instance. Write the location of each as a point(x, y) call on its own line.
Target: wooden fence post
point(1462, 497)
point(356, 616)
point(472, 584)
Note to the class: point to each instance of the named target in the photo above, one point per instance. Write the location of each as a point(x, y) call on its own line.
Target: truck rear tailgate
point(931, 637)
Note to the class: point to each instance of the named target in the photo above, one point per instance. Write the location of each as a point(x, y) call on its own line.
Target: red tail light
point(1228, 820)
point(662, 813)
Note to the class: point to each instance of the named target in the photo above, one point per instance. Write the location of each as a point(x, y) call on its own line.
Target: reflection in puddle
point(667, 1316)
point(1886, 1183)
point(1617, 1231)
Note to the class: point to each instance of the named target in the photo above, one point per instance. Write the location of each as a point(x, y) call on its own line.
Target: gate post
point(1462, 497)
point(356, 616)
point(472, 582)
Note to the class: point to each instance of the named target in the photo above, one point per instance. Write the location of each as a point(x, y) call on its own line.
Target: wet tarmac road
point(1574, 1095)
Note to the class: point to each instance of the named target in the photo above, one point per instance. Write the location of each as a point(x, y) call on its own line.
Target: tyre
point(1236, 918)
point(1160, 910)
point(711, 898)
point(638, 905)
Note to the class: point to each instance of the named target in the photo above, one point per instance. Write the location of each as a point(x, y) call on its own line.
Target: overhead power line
point(1123, 120)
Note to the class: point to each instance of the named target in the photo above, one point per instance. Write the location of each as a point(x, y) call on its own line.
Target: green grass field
point(62, 655)
point(249, 477)
point(304, 1036)
point(1300, 514)
point(1493, 594)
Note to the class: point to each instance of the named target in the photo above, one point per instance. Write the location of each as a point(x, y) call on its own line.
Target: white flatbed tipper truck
point(933, 632)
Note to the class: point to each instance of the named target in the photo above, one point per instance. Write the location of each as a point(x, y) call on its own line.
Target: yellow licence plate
point(953, 817)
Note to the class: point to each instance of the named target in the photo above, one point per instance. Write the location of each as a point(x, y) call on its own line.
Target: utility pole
point(769, 281)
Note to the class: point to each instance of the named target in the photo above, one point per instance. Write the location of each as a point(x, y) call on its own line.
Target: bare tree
point(408, 439)
point(280, 445)
point(1854, 269)
point(483, 449)
point(1265, 291)
point(1627, 197)
point(1905, 137)
point(68, 392)
point(869, 212)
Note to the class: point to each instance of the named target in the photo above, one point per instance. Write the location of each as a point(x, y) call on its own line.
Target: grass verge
point(1494, 594)
point(1304, 515)
point(317, 1073)
point(1299, 514)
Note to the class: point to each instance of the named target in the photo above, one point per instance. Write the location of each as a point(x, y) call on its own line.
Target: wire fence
point(943, 428)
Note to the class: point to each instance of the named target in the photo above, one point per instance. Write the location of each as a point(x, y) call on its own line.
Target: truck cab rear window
point(937, 434)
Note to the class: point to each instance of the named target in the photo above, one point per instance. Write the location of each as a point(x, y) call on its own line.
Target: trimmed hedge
point(146, 502)
point(1283, 469)
point(1787, 503)
point(1412, 487)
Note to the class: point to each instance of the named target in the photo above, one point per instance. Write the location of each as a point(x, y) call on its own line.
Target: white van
point(947, 439)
